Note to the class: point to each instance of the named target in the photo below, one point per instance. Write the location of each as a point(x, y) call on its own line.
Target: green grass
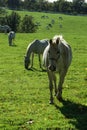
point(24, 95)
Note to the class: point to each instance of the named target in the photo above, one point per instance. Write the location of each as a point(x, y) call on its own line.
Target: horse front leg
point(61, 81)
point(54, 79)
point(39, 60)
point(50, 86)
point(32, 59)
point(10, 42)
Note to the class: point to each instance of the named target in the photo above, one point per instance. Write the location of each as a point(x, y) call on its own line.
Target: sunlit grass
point(24, 95)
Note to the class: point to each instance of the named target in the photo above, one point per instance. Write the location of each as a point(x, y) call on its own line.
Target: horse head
point(54, 53)
point(26, 62)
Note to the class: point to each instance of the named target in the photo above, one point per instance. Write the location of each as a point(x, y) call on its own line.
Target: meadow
point(24, 94)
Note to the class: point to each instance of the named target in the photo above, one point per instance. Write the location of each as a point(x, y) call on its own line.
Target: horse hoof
point(60, 99)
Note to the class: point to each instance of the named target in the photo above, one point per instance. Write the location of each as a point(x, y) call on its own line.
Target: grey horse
point(37, 47)
point(57, 57)
point(11, 37)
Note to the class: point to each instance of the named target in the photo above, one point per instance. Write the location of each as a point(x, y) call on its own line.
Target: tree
point(66, 7)
point(2, 3)
point(61, 2)
point(77, 5)
point(13, 4)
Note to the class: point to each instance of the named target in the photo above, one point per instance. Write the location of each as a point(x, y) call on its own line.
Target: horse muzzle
point(26, 67)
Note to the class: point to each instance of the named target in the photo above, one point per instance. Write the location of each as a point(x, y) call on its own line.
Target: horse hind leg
point(13, 40)
point(10, 42)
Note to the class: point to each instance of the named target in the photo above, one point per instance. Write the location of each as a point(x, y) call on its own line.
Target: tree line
point(60, 6)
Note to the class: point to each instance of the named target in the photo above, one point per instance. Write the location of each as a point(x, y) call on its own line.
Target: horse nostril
point(52, 68)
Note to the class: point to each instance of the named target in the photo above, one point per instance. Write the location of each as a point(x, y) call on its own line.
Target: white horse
point(37, 46)
point(57, 57)
point(11, 37)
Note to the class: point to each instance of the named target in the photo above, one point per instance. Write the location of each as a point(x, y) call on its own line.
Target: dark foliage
point(27, 24)
point(16, 24)
point(13, 21)
point(75, 7)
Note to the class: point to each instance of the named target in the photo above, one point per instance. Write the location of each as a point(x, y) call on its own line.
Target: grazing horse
point(37, 46)
point(11, 37)
point(57, 57)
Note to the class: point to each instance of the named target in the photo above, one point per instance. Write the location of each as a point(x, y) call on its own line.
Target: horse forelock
point(57, 39)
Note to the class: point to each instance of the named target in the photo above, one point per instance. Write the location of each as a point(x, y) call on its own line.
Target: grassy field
point(24, 95)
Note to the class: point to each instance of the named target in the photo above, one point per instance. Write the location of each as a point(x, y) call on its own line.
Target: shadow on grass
point(34, 69)
point(74, 111)
point(13, 45)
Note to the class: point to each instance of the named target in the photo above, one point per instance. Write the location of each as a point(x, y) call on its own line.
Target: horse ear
point(50, 41)
point(57, 41)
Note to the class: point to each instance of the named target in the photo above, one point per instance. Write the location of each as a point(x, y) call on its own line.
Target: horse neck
point(29, 51)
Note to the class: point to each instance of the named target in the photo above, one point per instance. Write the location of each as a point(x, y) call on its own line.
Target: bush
point(27, 24)
point(13, 21)
point(2, 11)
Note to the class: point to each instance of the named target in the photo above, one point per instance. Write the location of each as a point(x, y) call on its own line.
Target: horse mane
point(58, 36)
